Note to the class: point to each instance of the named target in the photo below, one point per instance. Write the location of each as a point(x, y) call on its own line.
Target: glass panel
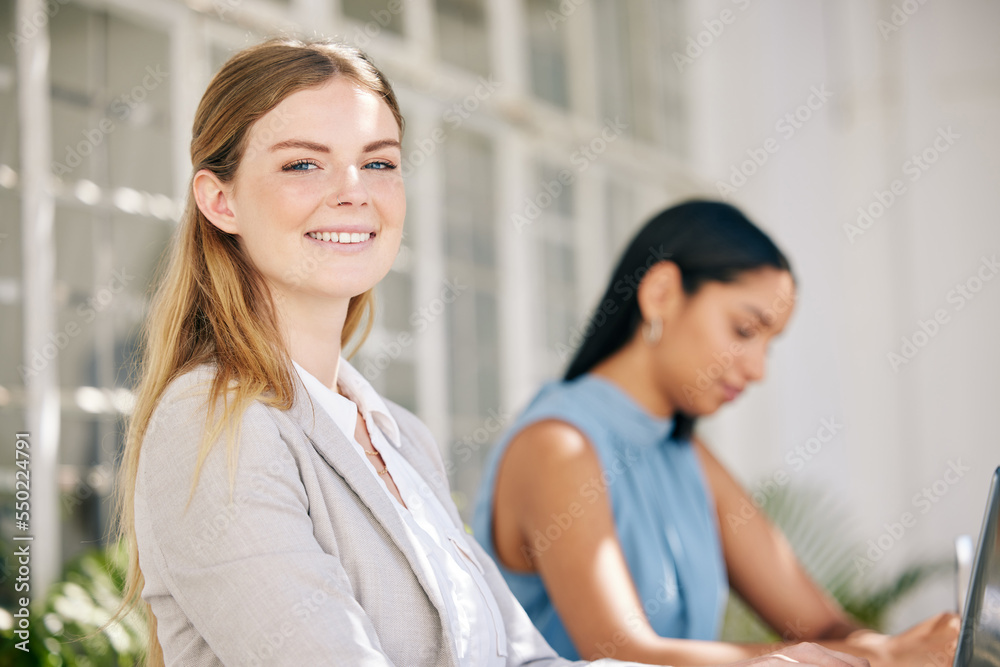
point(11, 324)
point(111, 145)
point(9, 133)
point(472, 319)
point(395, 301)
point(468, 159)
point(548, 53)
point(620, 217)
point(462, 34)
point(110, 101)
point(139, 82)
point(385, 14)
point(674, 112)
point(80, 310)
point(554, 236)
point(614, 71)
point(401, 384)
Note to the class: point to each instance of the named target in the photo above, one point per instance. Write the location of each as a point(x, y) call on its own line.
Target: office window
point(620, 217)
point(615, 76)
point(671, 113)
point(645, 92)
point(387, 357)
point(547, 45)
point(11, 324)
point(471, 317)
point(111, 150)
point(387, 14)
point(553, 234)
point(463, 38)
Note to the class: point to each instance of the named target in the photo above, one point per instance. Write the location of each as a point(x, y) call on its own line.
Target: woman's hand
point(931, 642)
point(807, 655)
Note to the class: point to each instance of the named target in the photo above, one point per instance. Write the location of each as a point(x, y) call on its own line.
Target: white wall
point(891, 94)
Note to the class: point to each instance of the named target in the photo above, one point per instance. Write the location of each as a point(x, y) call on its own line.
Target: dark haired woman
point(604, 511)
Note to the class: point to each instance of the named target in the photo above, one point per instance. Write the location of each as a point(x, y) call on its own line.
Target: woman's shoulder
point(181, 416)
point(575, 403)
point(190, 392)
point(190, 385)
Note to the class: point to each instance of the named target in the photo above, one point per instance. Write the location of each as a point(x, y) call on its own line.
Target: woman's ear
point(213, 199)
point(661, 292)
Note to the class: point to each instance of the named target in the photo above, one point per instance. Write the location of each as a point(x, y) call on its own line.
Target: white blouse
point(447, 560)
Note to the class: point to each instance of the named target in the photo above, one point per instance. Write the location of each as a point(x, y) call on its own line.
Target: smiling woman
point(329, 172)
point(276, 508)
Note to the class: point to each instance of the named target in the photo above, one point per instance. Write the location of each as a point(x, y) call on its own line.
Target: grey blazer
point(302, 561)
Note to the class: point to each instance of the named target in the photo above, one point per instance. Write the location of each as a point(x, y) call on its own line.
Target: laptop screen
point(979, 641)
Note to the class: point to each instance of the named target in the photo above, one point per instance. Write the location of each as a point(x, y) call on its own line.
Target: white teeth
point(342, 237)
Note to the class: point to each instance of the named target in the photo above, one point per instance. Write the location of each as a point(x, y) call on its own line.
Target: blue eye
point(379, 165)
point(299, 165)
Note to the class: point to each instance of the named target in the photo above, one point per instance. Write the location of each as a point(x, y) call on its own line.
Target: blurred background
point(861, 134)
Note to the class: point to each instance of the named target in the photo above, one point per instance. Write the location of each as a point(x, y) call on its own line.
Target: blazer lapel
point(339, 453)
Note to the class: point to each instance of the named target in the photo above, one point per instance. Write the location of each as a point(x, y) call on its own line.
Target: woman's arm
point(762, 567)
point(546, 485)
point(764, 570)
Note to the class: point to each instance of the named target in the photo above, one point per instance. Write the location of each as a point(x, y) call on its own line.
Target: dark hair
point(708, 241)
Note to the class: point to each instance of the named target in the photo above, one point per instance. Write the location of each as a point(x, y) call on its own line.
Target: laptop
point(979, 639)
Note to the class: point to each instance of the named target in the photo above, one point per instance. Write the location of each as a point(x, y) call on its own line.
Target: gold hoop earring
point(654, 332)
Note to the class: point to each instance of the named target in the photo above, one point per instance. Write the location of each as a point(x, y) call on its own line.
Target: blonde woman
point(278, 510)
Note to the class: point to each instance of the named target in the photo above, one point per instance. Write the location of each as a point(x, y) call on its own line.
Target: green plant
point(69, 628)
point(819, 531)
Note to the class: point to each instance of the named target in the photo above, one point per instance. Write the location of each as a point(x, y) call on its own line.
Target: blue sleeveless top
point(664, 515)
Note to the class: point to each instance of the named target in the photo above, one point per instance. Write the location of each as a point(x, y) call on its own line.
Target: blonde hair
point(212, 305)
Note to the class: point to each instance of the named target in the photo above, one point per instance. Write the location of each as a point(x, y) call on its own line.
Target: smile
point(342, 237)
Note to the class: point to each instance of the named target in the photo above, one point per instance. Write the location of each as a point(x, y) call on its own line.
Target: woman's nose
point(349, 189)
point(755, 363)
